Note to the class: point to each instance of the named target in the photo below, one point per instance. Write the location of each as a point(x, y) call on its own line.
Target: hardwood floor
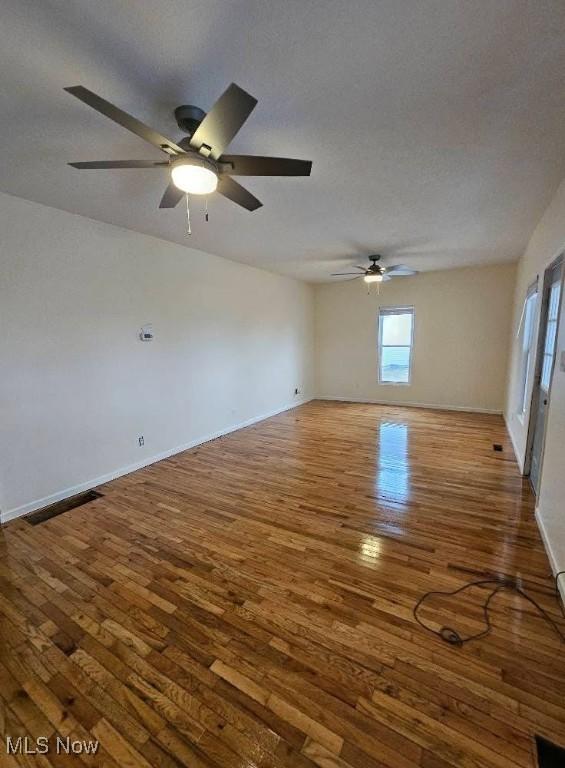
point(249, 603)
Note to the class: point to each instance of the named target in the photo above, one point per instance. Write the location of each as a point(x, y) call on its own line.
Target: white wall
point(547, 242)
point(77, 387)
point(462, 332)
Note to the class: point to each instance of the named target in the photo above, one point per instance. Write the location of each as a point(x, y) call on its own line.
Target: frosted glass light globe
point(373, 278)
point(195, 179)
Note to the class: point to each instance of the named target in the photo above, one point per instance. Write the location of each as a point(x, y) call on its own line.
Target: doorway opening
point(545, 364)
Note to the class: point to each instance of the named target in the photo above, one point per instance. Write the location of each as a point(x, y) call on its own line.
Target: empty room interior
point(282, 384)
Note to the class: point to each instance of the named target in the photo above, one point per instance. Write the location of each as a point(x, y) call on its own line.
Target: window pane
point(550, 335)
point(546, 371)
point(397, 329)
point(395, 364)
point(524, 392)
point(528, 321)
point(553, 309)
point(527, 337)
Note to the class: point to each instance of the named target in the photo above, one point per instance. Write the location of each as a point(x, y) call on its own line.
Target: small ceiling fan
point(376, 273)
point(196, 163)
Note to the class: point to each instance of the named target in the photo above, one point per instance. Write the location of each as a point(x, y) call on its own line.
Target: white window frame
point(383, 312)
point(527, 349)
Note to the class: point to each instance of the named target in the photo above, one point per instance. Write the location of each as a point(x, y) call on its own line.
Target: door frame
point(541, 327)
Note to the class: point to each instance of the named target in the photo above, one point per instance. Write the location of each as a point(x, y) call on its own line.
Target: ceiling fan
point(196, 163)
point(376, 273)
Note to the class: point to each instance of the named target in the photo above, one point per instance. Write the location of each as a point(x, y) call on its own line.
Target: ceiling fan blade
point(223, 121)
point(342, 274)
point(400, 269)
point(349, 279)
point(171, 197)
point(255, 165)
point(234, 191)
point(122, 118)
point(358, 267)
point(102, 164)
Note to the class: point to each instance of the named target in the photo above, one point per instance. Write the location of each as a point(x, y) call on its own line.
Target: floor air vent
point(61, 506)
point(496, 447)
point(549, 755)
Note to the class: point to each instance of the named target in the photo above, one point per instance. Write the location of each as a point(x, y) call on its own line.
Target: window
point(550, 334)
point(396, 334)
point(526, 333)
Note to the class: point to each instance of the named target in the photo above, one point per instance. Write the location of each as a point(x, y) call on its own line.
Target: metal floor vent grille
point(34, 518)
point(549, 755)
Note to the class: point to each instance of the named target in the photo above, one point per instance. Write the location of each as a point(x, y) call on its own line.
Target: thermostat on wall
point(146, 333)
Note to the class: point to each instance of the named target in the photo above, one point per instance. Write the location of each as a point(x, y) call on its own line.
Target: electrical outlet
point(141, 440)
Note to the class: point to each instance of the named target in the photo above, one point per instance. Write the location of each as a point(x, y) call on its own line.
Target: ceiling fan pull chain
point(206, 214)
point(188, 229)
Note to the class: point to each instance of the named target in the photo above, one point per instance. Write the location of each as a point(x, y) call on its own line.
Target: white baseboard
point(52, 498)
point(556, 567)
point(519, 458)
point(435, 406)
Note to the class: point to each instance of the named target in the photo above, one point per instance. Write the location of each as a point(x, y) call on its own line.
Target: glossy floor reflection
point(393, 465)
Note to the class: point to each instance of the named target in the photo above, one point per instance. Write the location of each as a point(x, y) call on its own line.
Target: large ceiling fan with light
point(196, 163)
point(377, 273)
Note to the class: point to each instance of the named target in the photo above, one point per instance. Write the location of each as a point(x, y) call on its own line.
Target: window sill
point(394, 383)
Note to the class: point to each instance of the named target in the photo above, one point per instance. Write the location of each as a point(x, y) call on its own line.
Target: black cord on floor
point(453, 637)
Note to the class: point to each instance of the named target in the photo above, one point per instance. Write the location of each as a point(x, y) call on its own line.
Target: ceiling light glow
point(194, 177)
point(373, 278)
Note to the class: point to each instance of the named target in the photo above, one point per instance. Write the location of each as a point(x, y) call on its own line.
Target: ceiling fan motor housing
point(375, 268)
point(189, 117)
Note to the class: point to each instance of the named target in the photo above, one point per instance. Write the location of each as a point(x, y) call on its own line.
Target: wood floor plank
point(249, 603)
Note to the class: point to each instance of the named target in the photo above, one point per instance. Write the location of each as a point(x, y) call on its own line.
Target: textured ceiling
point(436, 127)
